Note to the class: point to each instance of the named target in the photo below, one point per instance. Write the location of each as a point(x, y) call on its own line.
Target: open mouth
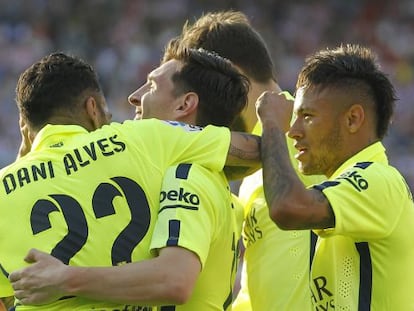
point(301, 151)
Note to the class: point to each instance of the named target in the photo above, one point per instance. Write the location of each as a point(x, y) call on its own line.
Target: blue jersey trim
point(4, 271)
point(313, 240)
point(174, 232)
point(363, 165)
point(365, 280)
point(182, 171)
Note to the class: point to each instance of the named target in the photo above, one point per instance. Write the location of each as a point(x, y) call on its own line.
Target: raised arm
point(291, 204)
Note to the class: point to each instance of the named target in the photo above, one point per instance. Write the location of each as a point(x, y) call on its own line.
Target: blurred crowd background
point(124, 40)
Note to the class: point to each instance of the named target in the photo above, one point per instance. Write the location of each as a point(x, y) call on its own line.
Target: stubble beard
point(323, 159)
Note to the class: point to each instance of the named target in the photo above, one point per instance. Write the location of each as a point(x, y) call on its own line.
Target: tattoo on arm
point(277, 172)
point(246, 148)
point(281, 184)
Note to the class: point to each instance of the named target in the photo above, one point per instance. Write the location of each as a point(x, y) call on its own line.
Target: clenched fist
point(275, 108)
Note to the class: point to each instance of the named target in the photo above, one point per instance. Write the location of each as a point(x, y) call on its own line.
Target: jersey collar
point(372, 153)
point(53, 136)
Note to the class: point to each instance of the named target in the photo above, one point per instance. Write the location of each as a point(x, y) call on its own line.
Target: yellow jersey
point(366, 261)
point(276, 265)
point(91, 199)
point(197, 213)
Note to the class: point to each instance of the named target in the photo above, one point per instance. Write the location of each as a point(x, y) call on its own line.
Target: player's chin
point(304, 168)
point(301, 168)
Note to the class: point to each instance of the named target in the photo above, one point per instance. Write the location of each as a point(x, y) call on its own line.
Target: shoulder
point(370, 181)
point(196, 173)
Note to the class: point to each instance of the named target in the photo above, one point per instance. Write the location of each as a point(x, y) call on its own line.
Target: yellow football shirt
point(366, 261)
point(89, 198)
point(5, 286)
point(197, 213)
point(276, 265)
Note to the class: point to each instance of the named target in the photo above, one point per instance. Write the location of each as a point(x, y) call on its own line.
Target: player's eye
point(306, 115)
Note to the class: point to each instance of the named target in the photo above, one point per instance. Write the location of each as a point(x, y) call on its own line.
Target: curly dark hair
point(54, 83)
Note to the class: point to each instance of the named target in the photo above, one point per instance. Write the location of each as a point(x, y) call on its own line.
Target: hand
point(26, 143)
point(40, 282)
point(275, 108)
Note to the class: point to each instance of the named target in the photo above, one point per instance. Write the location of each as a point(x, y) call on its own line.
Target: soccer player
point(276, 263)
point(230, 34)
point(88, 193)
point(196, 226)
point(364, 212)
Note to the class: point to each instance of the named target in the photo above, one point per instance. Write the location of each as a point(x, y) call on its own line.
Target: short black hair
point(356, 68)
point(221, 88)
point(53, 84)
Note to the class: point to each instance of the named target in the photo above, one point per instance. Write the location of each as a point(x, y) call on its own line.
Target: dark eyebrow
point(300, 110)
point(303, 110)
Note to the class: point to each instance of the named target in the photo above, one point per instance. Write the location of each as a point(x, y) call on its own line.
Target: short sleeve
point(171, 142)
point(186, 217)
point(365, 200)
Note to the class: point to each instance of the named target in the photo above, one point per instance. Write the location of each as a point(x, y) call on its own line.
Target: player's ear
point(93, 112)
point(188, 105)
point(355, 117)
point(26, 131)
point(28, 136)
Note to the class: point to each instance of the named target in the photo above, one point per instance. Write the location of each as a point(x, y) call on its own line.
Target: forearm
point(168, 279)
point(282, 187)
point(244, 150)
point(278, 173)
point(292, 206)
point(115, 284)
point(141, 283)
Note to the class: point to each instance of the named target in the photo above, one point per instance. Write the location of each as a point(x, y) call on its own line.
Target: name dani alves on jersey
point(72, 161)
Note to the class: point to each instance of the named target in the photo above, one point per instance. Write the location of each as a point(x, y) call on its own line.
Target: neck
point(351, 146)
point(189, 119)
point(79, 119)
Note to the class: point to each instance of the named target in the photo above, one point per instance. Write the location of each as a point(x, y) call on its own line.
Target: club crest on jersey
point(185, 126)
